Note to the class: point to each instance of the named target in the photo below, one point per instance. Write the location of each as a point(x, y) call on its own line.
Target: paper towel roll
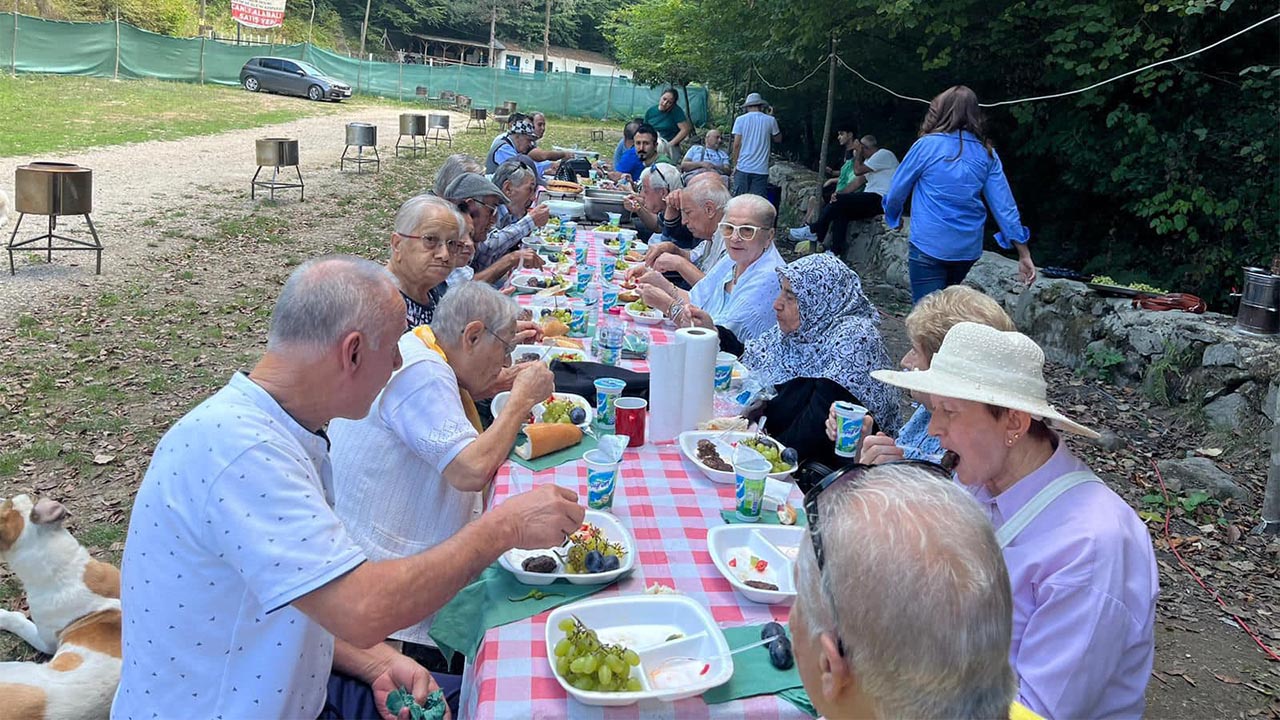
point(666, 382)
point(698, 386)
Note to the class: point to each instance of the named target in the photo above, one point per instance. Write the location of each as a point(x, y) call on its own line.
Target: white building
point(528, 59)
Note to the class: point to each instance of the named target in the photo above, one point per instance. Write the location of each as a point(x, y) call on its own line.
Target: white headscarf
point(838, 338)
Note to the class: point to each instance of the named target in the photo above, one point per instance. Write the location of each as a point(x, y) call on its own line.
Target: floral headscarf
point(838, 338)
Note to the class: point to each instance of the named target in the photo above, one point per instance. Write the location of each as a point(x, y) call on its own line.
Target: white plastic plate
point(689, 446)
point(522, 283)
point(648, 317)
point(548, 353)
point(511, 560)
point(775, 544)
point(643, 623)
point(500, 401)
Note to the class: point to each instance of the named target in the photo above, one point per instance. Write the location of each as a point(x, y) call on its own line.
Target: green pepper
point(534, 594)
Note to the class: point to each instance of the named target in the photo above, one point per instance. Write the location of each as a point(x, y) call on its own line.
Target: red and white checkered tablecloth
point(668, 505)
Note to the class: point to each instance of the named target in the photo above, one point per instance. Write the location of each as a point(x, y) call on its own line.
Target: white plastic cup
point(749, 478)
point(724, 369)
point(607, 392)
point(615, 219)
point(848, 427)
point(602, 479)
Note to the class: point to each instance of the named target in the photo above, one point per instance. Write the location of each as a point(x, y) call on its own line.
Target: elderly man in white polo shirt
point(243, 594)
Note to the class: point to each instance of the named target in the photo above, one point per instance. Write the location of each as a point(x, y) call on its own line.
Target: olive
point(780, 653)
point(577, 416)
point(790, 456)
point(771, 630)
point(539, 564)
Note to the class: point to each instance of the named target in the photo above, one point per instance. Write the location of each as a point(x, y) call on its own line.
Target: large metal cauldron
point(413, 124)
point(1259, 312)
point(52, 188)
point(277, 152)
point(362, 134)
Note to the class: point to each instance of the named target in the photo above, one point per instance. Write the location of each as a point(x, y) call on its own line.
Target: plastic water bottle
point(610, 335)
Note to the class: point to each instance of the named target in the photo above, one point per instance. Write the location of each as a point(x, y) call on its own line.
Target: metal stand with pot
point(54, 189)
point(276, 153)
point(415, 126)
point(437, 124)
point(361, 136)
point(1259, 312)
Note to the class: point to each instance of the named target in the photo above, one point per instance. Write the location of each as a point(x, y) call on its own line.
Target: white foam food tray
point(724, 443)
point(733, 546)
point(644, 623)
point(612, 528)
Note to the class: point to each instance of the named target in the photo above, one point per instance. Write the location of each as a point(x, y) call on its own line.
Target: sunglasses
point(851, 473)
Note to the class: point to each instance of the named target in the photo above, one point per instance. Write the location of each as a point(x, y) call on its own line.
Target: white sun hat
point(980, 363)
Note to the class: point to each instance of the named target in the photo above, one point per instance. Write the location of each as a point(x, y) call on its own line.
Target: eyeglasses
point(510, 348)
point(746, 232)
point(431, 243)
point(850, 472)
point(493, 209)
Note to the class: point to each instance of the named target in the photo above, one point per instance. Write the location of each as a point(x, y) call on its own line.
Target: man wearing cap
point(517, 219)
point(478, 200)
point(754, 132)
point(518, 141)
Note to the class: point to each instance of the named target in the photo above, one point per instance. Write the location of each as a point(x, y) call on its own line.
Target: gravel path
point(185, 180)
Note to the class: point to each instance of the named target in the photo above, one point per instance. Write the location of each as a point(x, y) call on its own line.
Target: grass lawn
point(48, 113)
point(95, 378)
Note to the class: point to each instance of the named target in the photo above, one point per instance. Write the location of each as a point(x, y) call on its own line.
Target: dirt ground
point(96, 368)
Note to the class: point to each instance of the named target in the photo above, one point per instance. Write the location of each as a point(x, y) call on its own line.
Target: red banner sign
point(258, 13)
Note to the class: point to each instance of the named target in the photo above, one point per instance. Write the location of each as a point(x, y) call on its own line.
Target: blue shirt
point(947, 193)
point(630, 164)
point(618, 151)
point(915, 440)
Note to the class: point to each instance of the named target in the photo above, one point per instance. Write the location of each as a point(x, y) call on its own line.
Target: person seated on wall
point(236, 568)
point(420, 452)
point(739, 290)
point(1081, 564)
point(516, 220)
point(902, 603)
point(707, 157)
point(859, 194)
point(822, 350)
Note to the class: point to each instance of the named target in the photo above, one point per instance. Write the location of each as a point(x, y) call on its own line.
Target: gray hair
point(327, 297)
point(469, 302)
point(924, 606)
point(869, 140)
point(514, 172)
point(662, 176)
point(453, 166)
point(712, 190)
point(761, 209)
point(411, 214)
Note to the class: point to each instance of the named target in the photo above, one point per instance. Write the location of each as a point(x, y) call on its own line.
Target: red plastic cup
point(630, 419)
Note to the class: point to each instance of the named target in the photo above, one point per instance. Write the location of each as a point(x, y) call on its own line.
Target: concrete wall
point(1198, 360)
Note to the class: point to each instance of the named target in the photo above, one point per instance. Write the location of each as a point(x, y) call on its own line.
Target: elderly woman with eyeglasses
point(1081, 566)
point(426, 240)
point(739, 290)
point(410, 474)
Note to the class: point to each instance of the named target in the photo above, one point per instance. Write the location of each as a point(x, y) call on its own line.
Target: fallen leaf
point(101, 459)
point(1209, 452)
point(1227, 679)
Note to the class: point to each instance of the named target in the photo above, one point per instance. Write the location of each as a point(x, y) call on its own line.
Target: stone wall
point(1197, 360)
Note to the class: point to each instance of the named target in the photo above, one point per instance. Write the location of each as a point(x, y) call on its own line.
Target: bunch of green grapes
point(1140, 287)
point(588, 665)
point(770, 453)
point(562, 315)
point(557, 411)
point(577, 562)
point(639, 306)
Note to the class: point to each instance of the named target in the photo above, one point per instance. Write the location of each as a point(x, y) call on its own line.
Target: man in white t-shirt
point(862, 199)
point(243, 595)
point(754, 133)
point(420, 452)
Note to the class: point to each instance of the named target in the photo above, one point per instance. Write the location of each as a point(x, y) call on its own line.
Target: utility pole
point(546, 39)
point(493, 25)
point(364, 29)
point(311, 24)
point(831, 101)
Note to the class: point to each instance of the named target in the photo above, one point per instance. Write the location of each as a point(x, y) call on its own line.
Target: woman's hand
point(654, 278)
point(879, 448)
point(833, 423)
point(403, 672)
point(655, 297)
point(697, 317)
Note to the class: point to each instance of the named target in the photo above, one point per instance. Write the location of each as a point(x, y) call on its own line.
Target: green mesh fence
point(109, 49)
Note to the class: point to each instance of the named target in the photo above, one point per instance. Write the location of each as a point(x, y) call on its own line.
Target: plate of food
point(599, 552)
point(541, 283)
point(613, 245)
point(757, 560)
point(642, 313)
point(657, 647)
point(559, 408)
point(546, 353)
point(608, 233)
point(712, 452)
point(553, 319)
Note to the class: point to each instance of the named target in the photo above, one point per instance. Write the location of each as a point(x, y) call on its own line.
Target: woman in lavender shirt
point(1081, 566)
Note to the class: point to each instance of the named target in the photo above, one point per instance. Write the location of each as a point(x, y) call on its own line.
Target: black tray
point(1065, 274)
point(1115, 290)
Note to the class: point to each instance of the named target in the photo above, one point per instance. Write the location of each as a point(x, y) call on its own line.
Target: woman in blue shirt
point(948, 173)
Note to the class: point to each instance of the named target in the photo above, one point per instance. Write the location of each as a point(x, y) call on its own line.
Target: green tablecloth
point(767, 517)
point(753, 674)
point(559, 457)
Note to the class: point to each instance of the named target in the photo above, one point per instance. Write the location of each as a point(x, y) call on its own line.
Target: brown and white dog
point(75, 616)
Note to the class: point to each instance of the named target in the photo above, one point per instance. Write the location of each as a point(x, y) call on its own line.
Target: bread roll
point(546, 438)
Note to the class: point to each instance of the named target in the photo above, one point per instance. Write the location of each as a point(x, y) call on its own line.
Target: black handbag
point(579, 378)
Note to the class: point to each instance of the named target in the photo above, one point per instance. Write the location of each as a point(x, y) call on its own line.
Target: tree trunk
point(546, 40)
point(493, 24)
point(364, 29)
point(831, 101)
point(688, 109)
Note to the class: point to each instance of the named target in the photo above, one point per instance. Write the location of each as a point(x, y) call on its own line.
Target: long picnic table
point(668, 505)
